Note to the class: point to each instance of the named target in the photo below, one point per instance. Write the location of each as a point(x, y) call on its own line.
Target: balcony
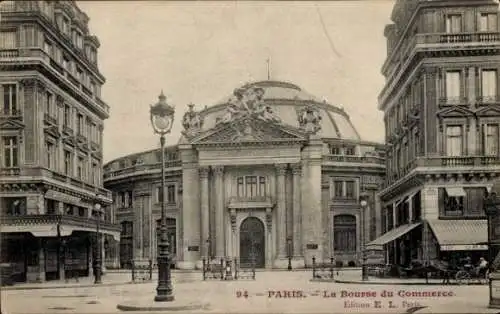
point(402, 55)
point(470, 163)
point(354, 159)
point(35, 54)
point(142, 169)
point(11, 171)
point(11, 113)
point(82, 222)
point(488, 100)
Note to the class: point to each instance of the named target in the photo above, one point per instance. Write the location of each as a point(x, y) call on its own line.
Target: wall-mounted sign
point(193, 248)
point(312, 246)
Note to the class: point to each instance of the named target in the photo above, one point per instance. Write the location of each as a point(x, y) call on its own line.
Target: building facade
point(267, 173)
point(51, 125)
point(441, 114)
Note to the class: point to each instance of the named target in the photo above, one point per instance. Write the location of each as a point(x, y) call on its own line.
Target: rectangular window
point(47, 47)
point(489, 85)
point(335, 150)
point(453, 86)
point(67, 163)
point(240, 187)
point(67, 115)
point(350, 187)
point(65, 25)
point(454, 23)
point(93, 88)
point(454, 140)
point(262, 186)
point(488, 22)
point(79, 169)
point(50, 155)
point(80, 125)
point(8, 40)
point(95, 174)
point(251, 186)
point(338, 189)
point(79, 75)
point(491, 138)
point(9, 99)
point(159, 195)
point(171, 199)
point(48, 103)
point(11, 151)
point(350, 150)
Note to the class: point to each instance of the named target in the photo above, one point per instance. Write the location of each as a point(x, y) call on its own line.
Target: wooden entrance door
point(252, 242)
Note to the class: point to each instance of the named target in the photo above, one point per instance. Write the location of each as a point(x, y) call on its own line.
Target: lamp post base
point(164, 298)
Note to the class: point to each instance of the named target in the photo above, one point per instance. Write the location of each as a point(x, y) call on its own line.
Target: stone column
point(204, 211)
point(269, 241)
point(189, 215)
point(312, 214)
point(297, 221)
point(220, 244)
point(378, 215)
point(410, 209)
point(138, 228)
point(281, 211)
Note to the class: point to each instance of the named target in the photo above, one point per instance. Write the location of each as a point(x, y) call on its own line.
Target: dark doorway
point(252, 242)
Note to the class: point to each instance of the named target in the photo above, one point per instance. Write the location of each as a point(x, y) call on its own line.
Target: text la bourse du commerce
point(363, 299)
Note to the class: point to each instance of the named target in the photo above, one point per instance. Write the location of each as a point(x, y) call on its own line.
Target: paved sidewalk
point(352, 277)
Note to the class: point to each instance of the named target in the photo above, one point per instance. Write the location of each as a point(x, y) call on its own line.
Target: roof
point(285, 100)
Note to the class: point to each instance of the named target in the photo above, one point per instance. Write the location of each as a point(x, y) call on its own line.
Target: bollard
point(331, 267)
point(133, 271)
point(221, 269)
point(236, 267)
point(204, 269)
point(314, 266)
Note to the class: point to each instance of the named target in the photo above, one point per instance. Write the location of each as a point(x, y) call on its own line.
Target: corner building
point(51, 124)
point(442, 115)
point(268, 172)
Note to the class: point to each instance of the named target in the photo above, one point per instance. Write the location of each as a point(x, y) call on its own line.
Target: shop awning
point(455, 191)
point(461, 234)
point(393, 234)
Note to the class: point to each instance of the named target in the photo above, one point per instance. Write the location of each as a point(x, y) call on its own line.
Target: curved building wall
point(253, 190)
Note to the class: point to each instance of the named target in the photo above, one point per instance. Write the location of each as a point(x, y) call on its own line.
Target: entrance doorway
point(252, 242)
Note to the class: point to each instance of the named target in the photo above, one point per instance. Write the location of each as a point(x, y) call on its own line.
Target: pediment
point(249, 129)
point(52, 130)
point(489, 111)
point(455, 112)
point(11, 125)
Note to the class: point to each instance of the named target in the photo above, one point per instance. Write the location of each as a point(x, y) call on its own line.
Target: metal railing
point(323, 270)
point(142, 167)
point(89, 222)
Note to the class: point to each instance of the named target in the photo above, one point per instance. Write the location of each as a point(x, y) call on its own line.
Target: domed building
point(267, 173)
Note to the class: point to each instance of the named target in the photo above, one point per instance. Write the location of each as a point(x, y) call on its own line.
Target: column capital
point(297, 168)
point(218, 170)
point(281, 169)
point(203, 172)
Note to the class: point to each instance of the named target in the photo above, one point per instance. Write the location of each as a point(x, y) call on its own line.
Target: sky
point(199, 52)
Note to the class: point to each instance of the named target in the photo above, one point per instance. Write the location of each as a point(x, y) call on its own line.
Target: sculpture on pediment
point(192, 121)
point(247, 102)
point(310, 119)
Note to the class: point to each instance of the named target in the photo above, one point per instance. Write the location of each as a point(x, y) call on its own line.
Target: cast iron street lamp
point(162, 117)
point(491, 209)
point(97, 262)
point(289, 249)
point(364, 274)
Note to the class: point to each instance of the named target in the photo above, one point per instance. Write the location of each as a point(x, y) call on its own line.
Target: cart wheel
point(462, 277)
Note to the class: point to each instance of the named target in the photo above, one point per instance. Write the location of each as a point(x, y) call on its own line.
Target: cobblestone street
point(264, 295)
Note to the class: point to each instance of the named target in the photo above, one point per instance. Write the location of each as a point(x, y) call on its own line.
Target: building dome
point(286, 100)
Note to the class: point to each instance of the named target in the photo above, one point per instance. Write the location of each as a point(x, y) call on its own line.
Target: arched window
point(344, 233)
